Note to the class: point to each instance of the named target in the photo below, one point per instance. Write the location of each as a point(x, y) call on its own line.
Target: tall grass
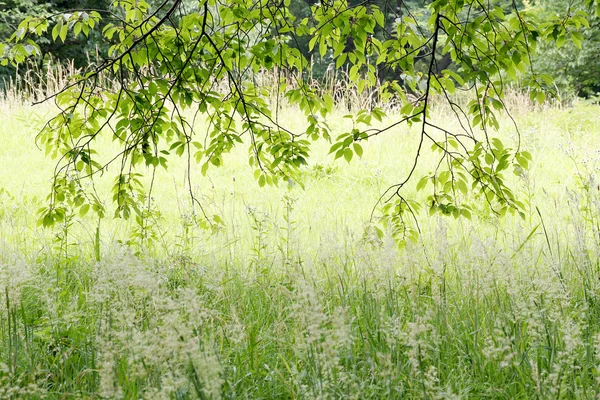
point(288, 299)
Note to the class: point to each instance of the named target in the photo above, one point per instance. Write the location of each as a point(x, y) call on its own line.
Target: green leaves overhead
point(168, 64)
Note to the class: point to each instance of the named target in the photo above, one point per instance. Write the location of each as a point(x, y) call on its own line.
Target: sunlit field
point(288, 297)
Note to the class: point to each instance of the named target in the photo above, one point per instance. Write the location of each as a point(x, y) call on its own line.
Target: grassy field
point(286, 301)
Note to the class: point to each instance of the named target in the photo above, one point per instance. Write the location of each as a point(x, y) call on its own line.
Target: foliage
point(169, 64)
point(573, 60)
point(76, 49)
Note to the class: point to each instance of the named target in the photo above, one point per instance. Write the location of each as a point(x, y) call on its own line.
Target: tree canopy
point(168, 62)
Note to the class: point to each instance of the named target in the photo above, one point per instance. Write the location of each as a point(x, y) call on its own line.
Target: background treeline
point(573, 65)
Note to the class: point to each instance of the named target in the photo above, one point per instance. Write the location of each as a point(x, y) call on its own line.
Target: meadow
point(286, 299)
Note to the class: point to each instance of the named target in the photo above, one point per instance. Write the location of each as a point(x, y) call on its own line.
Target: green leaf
point(462, 186)
point(541, 97)
point(422, 183)
point(523, 162)
point(340, 60)
point(48, 220)
point(83, 210)
point(56, 30)
point(358, 149)
point(379, 17)
point(577, 39)
point(348, 154)
point(63, 33)
point(335, 147)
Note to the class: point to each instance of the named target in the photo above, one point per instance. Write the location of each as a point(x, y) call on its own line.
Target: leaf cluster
point(167, 66)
